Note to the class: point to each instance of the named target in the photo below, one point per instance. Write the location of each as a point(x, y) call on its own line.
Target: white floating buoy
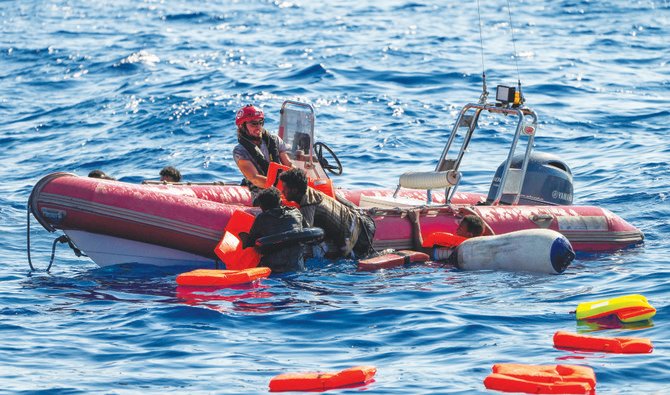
point(531, 250)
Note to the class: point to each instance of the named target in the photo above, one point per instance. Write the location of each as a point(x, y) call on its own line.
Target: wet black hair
point(474, 224)
point(100, 174)
point(169, 171)
point(295, 179)
point(268, 198)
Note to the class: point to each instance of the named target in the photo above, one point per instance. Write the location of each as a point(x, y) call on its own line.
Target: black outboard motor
point(548, 181)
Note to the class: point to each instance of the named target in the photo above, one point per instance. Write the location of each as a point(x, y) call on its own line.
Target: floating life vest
point(230, 250)
point(541, 379)
point(628, 308)
point(218, 278)
point(618, 345)
point(318, 381)
point(394, 259)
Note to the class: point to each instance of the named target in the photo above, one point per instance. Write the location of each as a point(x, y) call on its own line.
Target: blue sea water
point(132, 86)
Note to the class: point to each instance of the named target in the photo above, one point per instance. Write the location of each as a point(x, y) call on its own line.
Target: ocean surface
point(131, 86)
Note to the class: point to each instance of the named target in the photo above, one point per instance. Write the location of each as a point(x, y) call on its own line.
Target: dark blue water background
point(132, 86)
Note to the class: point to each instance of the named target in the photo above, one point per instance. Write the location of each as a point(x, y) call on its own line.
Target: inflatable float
point(531, 250)
point(163, 224)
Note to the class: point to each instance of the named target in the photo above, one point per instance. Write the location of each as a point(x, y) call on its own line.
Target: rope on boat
point(60, 239)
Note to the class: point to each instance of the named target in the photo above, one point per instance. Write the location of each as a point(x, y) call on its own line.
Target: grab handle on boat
point(428, 180)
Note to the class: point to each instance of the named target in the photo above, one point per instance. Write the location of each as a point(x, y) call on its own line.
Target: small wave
point(187, 17)
point(313, 73)
point(141, 57)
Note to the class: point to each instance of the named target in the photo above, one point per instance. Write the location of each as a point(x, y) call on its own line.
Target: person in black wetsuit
point(274, 219)
point(256, 148)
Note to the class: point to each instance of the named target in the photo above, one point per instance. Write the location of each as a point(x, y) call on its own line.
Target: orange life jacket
point(321, 381)
point(541, 379)
point(324, 185)
point(618, 345)
point(230, 250)
point(442, 239)
point(216, 278)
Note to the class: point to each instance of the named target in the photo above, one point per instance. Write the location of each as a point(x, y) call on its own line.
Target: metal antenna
point(485, 92)
point(516, 60)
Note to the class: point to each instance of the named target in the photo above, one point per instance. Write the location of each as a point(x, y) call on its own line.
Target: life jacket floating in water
point(391, 260)
point(221, 278)
point(628, 308)
point(318, 381)
point(618, 345)
point(541, 379)
point(230, 250)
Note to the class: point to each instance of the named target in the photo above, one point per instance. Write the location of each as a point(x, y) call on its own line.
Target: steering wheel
point(318, 151)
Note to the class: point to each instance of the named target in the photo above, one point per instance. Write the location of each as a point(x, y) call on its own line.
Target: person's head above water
point(294, 184)
point(170, 174)
point(100, 174)
point(250, 121)
point(470, 226)
point(268, 199)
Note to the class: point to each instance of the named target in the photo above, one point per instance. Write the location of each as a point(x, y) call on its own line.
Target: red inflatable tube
point(541, 379)
point(618, 345)
point(321, 381)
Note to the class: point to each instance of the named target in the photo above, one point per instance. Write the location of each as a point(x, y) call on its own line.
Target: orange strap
point(618, 345)
point(211, 277)
point(317, 381)
point(541, 379)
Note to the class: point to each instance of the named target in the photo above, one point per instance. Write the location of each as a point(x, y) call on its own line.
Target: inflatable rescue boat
point(164, 224)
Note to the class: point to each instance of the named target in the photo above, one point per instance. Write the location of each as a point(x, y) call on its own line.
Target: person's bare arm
point(285, 160)
point(251, 173)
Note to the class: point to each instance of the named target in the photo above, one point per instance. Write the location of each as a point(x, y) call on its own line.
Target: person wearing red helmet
point(256, 148)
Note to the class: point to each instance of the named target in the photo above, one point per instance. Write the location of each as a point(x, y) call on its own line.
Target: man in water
point(275, 219)
point(351, 230)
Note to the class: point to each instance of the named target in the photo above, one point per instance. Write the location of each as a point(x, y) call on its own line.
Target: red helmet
point(248, 113)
